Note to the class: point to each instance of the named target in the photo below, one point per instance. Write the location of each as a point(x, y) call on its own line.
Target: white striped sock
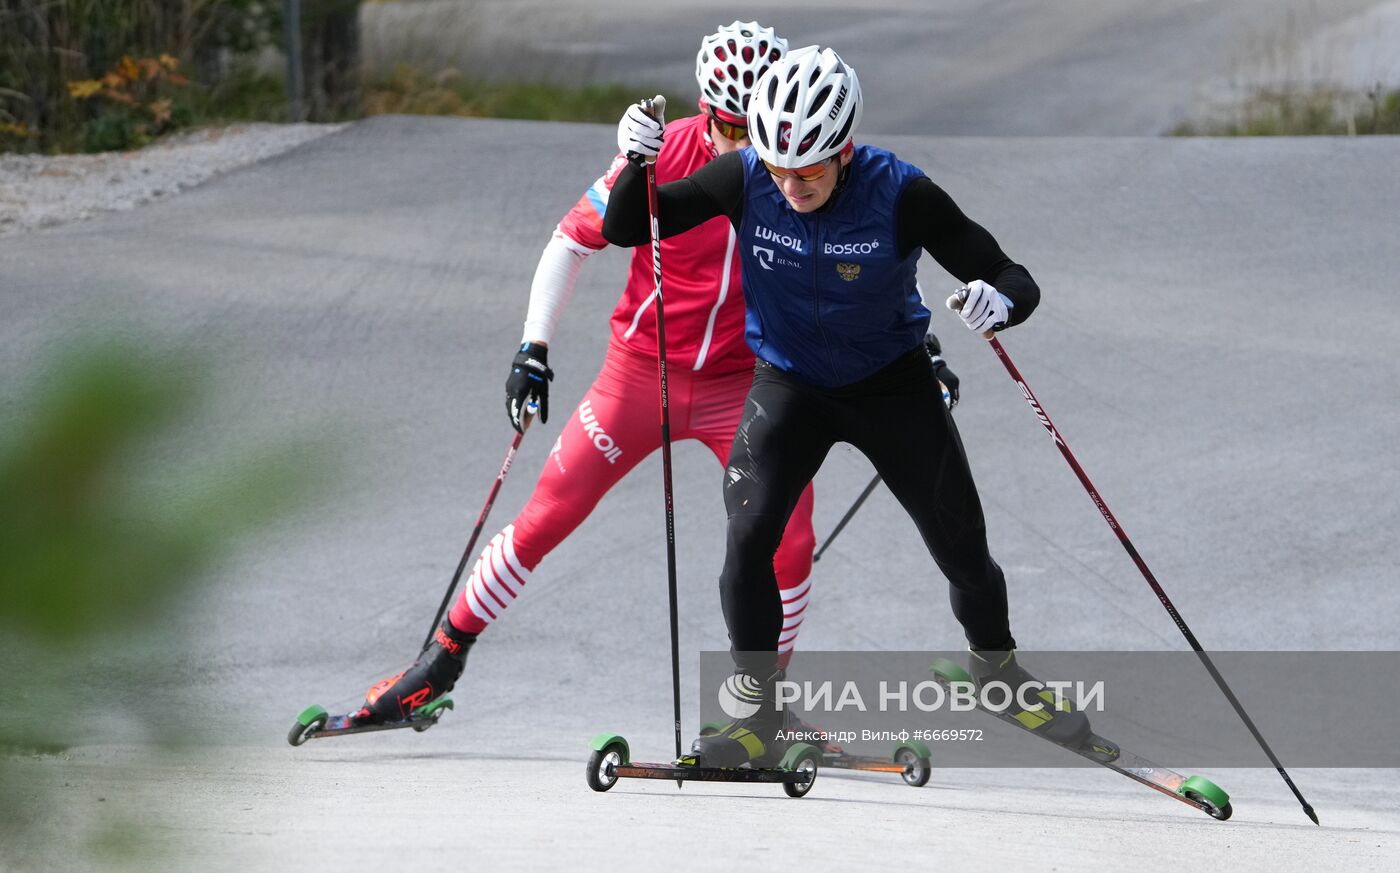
point(794, 608)
point(497, 579)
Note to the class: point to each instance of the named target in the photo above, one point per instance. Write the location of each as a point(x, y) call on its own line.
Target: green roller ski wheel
point(801, 757)
point(1205, 792)
point(949, 671)
point(609, 751)
point(710, 728)
point(917, 768)
point(311, 720)
point(431, 712)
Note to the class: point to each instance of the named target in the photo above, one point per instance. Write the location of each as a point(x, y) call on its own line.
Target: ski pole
point(480, 522)
point(657, 108)
point(1137, 559)
point(845, 519)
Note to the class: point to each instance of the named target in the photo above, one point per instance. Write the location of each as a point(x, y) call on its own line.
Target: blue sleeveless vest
point(829, 298)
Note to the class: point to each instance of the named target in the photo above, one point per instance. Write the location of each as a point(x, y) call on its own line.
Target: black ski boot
point(430, 677)
point(753, 738)
point(1057, 723)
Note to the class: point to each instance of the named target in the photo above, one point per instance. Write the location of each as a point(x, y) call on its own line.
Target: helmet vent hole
point(841, 136)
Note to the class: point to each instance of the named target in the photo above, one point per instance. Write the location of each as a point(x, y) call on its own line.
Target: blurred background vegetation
point(48, 47)
point(409, 91)
point(100, 75)
point(112, 519)
point(104, 74)
point(1303, 111)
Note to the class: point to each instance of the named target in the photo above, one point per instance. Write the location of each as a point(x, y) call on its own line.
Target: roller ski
point(1074, 734)
point(414, 698)
point(748, 749)
point(909, 760)
point(611, 760)
point(315, 723)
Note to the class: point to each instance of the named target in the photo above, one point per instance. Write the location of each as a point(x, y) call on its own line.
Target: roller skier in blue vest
point(830, 233)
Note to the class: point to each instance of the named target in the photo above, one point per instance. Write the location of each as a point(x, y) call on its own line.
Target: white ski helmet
point(730, 61)
point(805, 109)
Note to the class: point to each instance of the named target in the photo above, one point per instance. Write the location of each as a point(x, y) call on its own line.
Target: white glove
point(981, 307)
point(639, 132)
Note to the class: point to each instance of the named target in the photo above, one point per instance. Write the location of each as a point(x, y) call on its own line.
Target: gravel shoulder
point(38, 191)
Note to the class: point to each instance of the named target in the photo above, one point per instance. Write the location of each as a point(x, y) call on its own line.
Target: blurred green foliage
point(98, 532)
point(140, 99)
point(1305, 112)
point(409, 91)
point(246, 95)
point(47, 44)
point(113, 514)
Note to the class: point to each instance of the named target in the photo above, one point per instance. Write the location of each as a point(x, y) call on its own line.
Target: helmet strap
point(843, 173)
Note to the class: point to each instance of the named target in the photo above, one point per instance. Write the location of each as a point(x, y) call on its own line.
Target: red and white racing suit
point(615, 427)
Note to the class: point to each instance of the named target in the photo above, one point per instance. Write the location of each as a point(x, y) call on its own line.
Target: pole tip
point(1312, 815)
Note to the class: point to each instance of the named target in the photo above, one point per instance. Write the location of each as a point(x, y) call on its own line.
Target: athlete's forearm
point(929, 218)
point(626, 221)
point(715, 189)
point(1016, 282)
point(555, 277)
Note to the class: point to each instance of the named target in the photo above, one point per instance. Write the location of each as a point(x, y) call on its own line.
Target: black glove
point(940, 368)
point(528, 381)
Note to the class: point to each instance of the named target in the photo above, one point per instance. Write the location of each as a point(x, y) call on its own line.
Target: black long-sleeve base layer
point(926, 216)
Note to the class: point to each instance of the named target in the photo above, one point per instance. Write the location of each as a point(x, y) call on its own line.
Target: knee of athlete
point(954, 537)
point(978, 573)
point(528, 541)
point(752, 539)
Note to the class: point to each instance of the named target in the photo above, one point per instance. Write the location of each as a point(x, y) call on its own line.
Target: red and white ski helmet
point(805, 109)
point(730, 61)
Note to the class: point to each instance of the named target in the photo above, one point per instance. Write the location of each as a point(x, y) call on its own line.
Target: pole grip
point(955, 303)
point(656, 108)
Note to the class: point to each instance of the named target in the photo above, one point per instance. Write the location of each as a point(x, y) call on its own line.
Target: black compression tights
point(896, 418)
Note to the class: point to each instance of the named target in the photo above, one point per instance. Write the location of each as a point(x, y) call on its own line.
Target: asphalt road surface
point(1216, 343)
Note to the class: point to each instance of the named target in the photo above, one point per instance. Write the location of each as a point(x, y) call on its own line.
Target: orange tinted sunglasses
point(806, 174)
point(728, 129)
